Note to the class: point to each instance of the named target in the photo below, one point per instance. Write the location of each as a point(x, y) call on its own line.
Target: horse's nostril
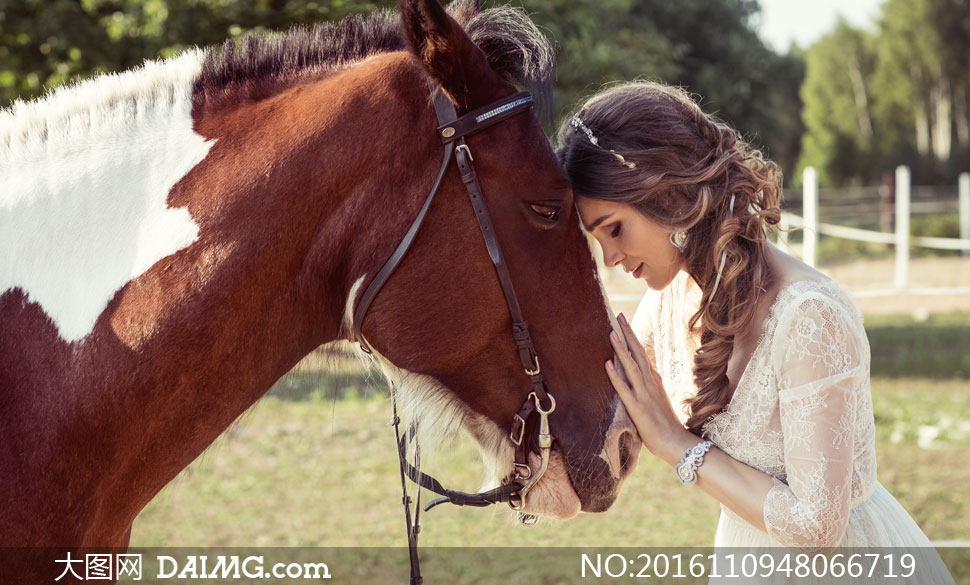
point(626, 453)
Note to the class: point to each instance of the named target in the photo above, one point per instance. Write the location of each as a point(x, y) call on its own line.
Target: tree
point(706, 46)
point(922, 84)
point(44, 43)
point(839, 138)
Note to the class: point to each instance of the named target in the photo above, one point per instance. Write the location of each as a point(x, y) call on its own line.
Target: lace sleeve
point(821, 363)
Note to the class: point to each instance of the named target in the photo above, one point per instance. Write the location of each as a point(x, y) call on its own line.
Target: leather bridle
point(452, 130)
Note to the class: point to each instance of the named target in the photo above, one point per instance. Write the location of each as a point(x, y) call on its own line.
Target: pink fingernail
point(609, 365)
point(622, 319)
point(614, 336)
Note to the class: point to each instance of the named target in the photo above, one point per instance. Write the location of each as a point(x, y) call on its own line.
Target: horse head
point(441, 327)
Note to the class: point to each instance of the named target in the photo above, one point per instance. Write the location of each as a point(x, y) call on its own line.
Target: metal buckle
point(552, 403)
point(518, 440)
point(467, 150)
point(534, 372)
point(545, 446)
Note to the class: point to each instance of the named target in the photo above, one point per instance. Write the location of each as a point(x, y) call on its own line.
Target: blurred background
point(864, 104)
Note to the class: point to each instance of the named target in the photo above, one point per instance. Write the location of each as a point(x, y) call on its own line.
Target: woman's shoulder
point(817, 320)
point(810, 303)
point(795, 293)
point(813, 295)
point(800, 287)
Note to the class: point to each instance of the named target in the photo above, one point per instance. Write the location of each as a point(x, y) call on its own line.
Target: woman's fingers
point(636, 348)
point(630, 366)
point(623, 354)
point(621, 387)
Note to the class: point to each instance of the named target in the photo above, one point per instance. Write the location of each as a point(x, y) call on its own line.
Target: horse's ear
point(464, 10)
point(449, 55)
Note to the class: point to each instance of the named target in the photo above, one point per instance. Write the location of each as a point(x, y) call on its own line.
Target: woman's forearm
point(740, 487)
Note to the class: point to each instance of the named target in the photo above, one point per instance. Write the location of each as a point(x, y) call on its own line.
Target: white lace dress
point(802, 413)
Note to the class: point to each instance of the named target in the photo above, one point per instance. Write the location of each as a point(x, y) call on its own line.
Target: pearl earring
point(678, 239)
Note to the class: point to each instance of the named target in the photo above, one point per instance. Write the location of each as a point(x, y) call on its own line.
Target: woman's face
point(631, 240)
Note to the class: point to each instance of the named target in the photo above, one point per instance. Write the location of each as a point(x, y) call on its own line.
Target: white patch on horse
point(439, 414)
point(437, 410)
point(86, 175)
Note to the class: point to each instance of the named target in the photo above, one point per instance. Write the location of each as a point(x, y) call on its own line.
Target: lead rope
point(412, 528)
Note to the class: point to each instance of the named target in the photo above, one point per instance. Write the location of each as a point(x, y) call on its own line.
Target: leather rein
point(452, 130)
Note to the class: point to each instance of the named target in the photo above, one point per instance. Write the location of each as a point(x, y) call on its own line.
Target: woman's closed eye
point(615, 232)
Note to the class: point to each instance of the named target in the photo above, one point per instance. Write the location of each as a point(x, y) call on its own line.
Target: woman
point(752, 378)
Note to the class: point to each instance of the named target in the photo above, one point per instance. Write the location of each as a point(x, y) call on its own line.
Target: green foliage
point(838, 138)
point(899, 96)
point(932, 349)
point(44, 43)
point(707, 46)
point(838, 250)
point(940, 225)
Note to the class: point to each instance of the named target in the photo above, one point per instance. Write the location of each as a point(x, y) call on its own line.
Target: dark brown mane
point(260, 65)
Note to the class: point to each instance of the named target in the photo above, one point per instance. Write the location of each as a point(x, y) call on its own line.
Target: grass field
point(315, 472)
point(313, 465)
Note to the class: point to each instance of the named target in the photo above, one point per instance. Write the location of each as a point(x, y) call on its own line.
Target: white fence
point(900, 238)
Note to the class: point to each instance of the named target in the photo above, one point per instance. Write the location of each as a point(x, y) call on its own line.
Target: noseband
point(452, 130)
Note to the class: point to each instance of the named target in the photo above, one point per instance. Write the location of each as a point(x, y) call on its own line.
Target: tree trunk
point(920, 114)
point(962, 115)
point(940, 105)
point(861, 100)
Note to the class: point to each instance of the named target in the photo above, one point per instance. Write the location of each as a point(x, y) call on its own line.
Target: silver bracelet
point(693, 458)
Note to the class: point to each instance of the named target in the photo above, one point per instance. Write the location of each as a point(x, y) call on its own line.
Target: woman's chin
point(658, 281)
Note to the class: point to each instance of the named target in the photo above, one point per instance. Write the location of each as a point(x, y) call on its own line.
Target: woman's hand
point(645, 399)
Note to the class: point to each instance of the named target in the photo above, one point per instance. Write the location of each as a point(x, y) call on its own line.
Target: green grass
point(938, 347)
point(315, 472)
point(313, 465)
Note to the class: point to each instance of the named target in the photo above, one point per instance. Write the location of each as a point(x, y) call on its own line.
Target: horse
point(177, 237)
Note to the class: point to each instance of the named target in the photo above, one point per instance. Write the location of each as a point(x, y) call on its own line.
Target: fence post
point(965, 209)
point(810, 214)
point(902, 226)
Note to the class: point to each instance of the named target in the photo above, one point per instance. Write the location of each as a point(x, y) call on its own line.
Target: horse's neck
point(204, 333)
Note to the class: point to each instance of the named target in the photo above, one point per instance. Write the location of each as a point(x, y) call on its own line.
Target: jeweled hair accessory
point(578, 124)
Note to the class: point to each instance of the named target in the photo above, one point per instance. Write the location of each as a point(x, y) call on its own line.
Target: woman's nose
point(612, 257)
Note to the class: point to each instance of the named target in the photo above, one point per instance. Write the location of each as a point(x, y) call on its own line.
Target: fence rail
point(851, 199)
point(900, 238)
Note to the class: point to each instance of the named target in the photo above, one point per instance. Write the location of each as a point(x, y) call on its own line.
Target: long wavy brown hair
point(659, 152)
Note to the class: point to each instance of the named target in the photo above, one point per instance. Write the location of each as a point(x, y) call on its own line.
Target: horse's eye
point(549, 212)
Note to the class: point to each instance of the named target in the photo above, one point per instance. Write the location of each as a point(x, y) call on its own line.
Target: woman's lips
point(638, 270)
